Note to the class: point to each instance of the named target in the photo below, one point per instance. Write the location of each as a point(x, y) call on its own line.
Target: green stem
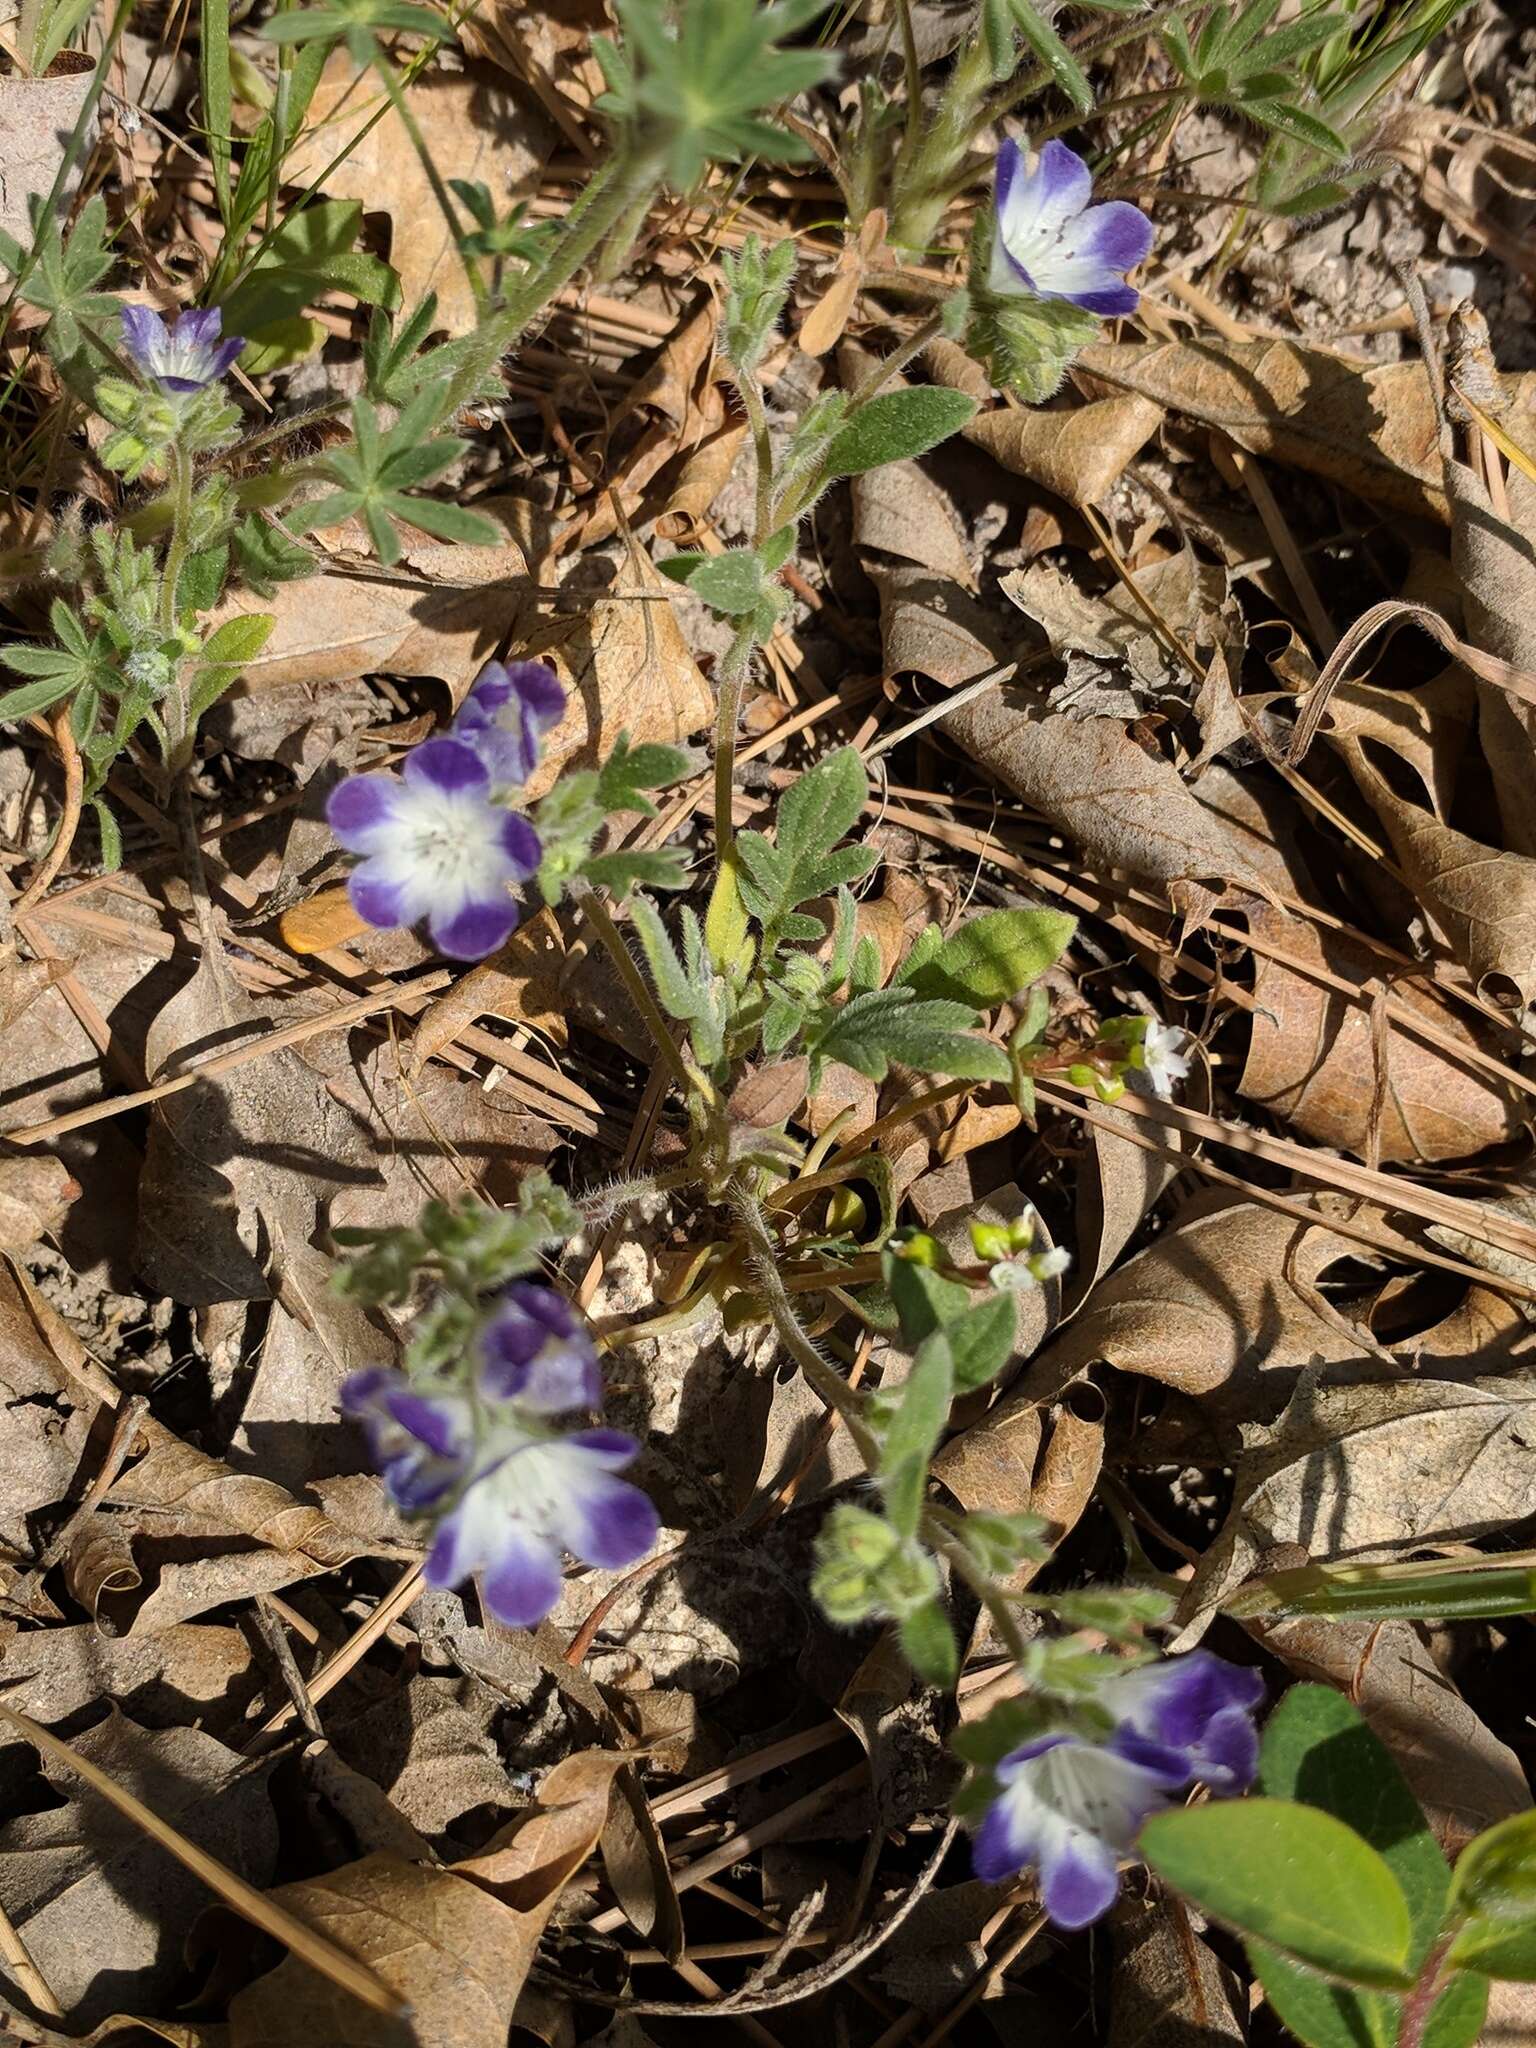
point(896, 362)
point(762, 451)
point(919, 198)
point(992, 1597)
point(596, 912)
point(914, 75)
point(1158, 96)
point(440, 192)
point(281, 100)
point(828, 1385)
point(608, 200)
point(731, 677)
point(176, 553)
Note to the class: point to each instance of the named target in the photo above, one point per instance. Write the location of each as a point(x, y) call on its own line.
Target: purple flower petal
point(198, 328)
point(1113, 303)
point(363, 811)
point(437, 1426)
point(474, 930)
point(520, 844)
point(143, 333)
point(359, 1389)
point(1058, 188)
point(1079, 1880)
point(609, 1448)
point(448, 766)
point(1003, 1844)
point(505, 714)
point(1009, 165)
point(523, 1583)
point(537, 1351)
point(614, 1524)
point(1116, 235)
point(224, 357)
point(376, 897)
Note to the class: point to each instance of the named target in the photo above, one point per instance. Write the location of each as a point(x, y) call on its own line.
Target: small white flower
point(1163, 1056)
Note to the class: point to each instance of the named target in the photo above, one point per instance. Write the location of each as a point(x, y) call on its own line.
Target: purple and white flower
point(507, 712)
point(536, 1350)
point(1048, 240)
point(1073, 1808)
point(507, 1491)
point(435, 848)
point(185, 358)
point(1192, 1715)
point(1163, 1056)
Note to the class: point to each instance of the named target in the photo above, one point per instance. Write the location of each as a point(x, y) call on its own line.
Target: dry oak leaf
point(1080, 454)
point(930, 626)
point(35, 1196)
point(1167, 1989)
point(1125, 807)
point(1370, 427)
point(1483, 900)
point(474, 128)
point(900, 510)
point(457, 1943)
point(625, 667)
point(235, 1165)
point(1366, 1471)
point(1312, 1060)
point(1210, 1310)
point(443, 612)
point(101, 1906)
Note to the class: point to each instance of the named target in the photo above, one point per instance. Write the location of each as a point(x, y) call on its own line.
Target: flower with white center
point(1049, 242)
point(531, 1497)
point(506, 1490)
point(185, 358)
point(1072, 1809)
point(1191, 1714)
point(507, 712)
point(1163, 1056)
point(436, 848)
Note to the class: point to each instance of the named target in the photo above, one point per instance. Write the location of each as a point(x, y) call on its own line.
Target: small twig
point(268, 1621)
point(18, 1958)
point(69, 817)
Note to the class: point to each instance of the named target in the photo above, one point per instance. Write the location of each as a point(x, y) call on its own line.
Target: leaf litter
point(1279, 1341)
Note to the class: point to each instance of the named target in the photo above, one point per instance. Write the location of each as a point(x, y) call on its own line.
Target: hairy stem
point(992, 1597)
point(921, 177)
point(730, 677)
point(596, 912)
point(828, 1385)
point(896, 362)
point(440, 192)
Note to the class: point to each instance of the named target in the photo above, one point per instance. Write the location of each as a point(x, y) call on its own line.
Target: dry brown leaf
point(1311, 1057)
point(35, 1197)
point(1125, 807)
point(1167, 1989)
point(1370, 427)
point(626, 668)
point(432, 1759)
point(1209, 1309)
point(1115, 1195)
point(1364, 1472)
point(1483, 900)
point(234, 1165)
point(822, 328)
point(769, 1095)
point(103, 1908)
point(1496, 571)
point(455, 1954)
point(1515, 1201)
point(473, 127)
point(900, 510)
point(37, 118)
point(520, 984)
point(1461, 1774)
point(444, 612)
point(1079, 454)
point(931, 627)
point(196, 1669)
point(1188, 595)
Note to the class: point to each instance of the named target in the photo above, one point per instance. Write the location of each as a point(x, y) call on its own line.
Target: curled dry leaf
point(1483, 900)
point(1080, 454)
point(474, 128)
point(1364, 1472)
point(1125, 807)
point(1167, 1989)
point(1370, 427)
point(932, 627)
point(900, 510)
point(1312, 1054)
point(443, 612)
point(455, 1943)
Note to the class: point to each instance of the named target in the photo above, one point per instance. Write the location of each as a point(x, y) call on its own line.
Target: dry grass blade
point(245, 1899)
